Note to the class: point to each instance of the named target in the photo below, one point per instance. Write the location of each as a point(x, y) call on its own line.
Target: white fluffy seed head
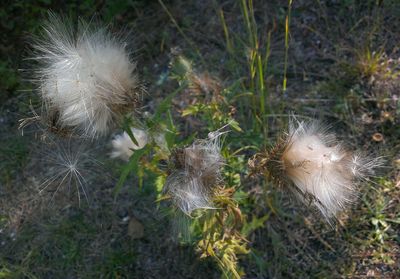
point(86, 78)
point(320, 170)
point(196, 172)
point(123, 146)
point(187, 192)
point(67, 167)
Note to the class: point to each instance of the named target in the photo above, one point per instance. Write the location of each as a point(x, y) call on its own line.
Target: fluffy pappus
point(316, 167)
point(195, 173)
point(68, 168)
point(123, 146)
point(86, 78)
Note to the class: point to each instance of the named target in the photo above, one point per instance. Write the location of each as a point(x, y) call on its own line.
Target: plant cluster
point(89, 85)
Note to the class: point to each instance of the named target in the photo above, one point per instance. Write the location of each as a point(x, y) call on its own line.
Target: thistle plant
point(123, 146)
point(69, 167)
point(195, 174)
point(88, 83)
point(86, 78)
point(316, 166)
point(222, 239)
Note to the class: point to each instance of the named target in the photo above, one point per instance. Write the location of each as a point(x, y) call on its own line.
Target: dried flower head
point(123, 146)
point(86, 78)
point(195, 173)
point(316, 166)
point(68, 167)
point(205, 86)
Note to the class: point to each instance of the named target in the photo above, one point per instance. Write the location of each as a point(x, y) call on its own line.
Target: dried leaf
point(135, 228)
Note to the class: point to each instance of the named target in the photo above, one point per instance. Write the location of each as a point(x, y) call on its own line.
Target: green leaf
point(132, 166)
point(166, 104)
point(4, 273)
point(235, 125)
point(159, 183)
point(171, 132)
point(191, 110)
point(126, 125)
point(182, 67)
point(254, 224)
